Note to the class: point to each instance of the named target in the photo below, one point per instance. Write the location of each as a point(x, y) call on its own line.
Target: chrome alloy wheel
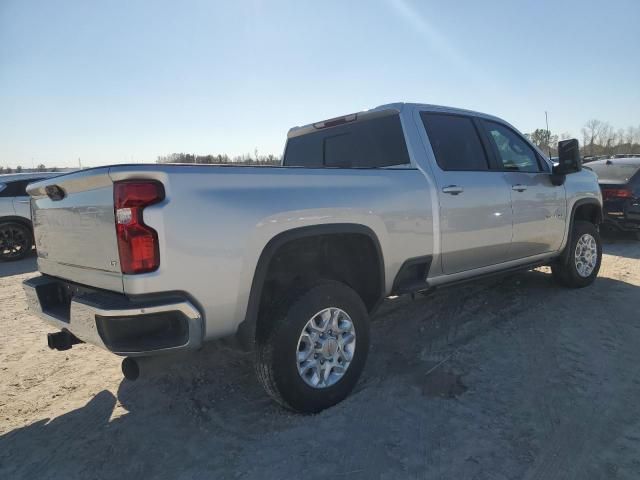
point(326, 347)
point(586, 255)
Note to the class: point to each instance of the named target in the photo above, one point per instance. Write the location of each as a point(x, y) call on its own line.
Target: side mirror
point(569, 160)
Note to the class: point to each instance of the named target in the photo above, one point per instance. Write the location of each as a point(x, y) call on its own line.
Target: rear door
point(475, 202)
point(539, 207)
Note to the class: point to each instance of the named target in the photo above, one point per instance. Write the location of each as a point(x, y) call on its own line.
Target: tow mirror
point(569, 160)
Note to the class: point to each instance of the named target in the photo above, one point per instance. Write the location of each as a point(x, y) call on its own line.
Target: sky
point(126, 81)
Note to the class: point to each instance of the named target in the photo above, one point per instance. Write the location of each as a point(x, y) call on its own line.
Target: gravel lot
point(503, 379)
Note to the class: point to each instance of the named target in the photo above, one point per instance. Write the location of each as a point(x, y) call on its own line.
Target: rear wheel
point(582, 263)
point(312, 353)
point(15, 241)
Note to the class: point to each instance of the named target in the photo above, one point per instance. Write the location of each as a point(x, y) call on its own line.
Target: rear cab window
point(455, 141)
point(373, 143)
point(615, 172)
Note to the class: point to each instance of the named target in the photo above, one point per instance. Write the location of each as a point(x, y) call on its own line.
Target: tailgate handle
point(55, 192)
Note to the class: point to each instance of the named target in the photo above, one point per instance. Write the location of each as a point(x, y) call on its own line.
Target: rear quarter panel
point(216, 221)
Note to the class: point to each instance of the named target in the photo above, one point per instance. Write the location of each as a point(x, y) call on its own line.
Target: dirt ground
point(503, 379)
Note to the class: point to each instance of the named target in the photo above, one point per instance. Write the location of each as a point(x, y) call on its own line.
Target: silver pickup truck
point(291, 260)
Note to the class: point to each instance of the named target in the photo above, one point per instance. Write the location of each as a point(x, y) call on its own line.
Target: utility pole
point(79, 163)
point(546, 118)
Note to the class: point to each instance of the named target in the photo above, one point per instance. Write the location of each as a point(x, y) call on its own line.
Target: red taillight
point(137, 243)
point(608, 193)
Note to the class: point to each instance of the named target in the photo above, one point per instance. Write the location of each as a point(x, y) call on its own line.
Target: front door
point(475, 202)
point(539, 207)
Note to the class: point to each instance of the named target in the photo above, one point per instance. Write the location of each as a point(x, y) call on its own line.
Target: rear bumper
point(125, 326)
point(622, 222)
point(622, 214)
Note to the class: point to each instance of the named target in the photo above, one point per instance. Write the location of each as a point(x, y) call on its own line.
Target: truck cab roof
point(381, 110)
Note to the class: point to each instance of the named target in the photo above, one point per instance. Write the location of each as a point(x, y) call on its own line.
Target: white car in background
point(16, 231)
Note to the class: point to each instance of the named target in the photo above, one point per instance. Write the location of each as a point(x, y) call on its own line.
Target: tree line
point(598, 138)
point(20, 169)
point(245, 159)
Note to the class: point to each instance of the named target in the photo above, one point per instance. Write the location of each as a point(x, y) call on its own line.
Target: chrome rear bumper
point(125, 326)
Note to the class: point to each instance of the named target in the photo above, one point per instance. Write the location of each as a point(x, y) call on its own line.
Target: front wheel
point(311, 354)
point(582, 263)
point(15, 241)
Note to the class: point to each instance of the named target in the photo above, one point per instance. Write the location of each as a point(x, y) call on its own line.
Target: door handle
point(519, 188)
point(24, 201)
point(453, 189)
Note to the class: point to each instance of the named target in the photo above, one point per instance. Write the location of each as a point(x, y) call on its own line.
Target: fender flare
point(247, 329)
point(579, 203)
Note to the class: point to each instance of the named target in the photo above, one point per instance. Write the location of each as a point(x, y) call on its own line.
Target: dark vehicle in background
point(16, 231)
point(619, 180)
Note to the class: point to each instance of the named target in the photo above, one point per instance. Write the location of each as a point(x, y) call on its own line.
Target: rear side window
point(17, 188)
point(455, 142)
point(374, 143)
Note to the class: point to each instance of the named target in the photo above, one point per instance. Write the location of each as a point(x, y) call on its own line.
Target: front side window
point(374, 143)
point(455, 142)
point(514, 153)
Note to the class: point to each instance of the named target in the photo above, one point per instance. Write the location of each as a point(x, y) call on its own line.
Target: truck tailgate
point(74, 228)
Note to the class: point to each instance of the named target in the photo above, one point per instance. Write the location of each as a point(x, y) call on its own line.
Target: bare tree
point(629, 135)
point(607, 138)
point(591, 133)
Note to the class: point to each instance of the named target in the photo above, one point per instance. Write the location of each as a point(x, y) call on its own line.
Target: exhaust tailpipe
point(135, 367)
point(62, 340)
point(130, 368)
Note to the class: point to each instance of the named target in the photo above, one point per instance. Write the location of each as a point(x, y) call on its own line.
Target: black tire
point(16, 241)
point(565, 270)
point(277, 347)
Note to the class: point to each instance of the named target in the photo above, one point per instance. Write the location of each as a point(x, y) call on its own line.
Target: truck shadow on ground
point(18, 267)
point(208, 415)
